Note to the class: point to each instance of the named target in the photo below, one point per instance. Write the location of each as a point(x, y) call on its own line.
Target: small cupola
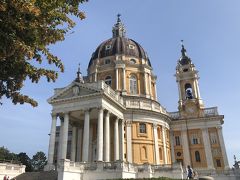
point(118, 29)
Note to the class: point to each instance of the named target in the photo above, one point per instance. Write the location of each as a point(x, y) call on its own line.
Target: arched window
point(197, 156)
point(142, 128)
point(133, 84)
point(132, 61)
point(160, 154)
point(108, 80)
point(144, 152)
point(188, 91)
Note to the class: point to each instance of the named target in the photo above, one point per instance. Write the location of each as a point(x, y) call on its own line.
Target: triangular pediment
point(73, 90)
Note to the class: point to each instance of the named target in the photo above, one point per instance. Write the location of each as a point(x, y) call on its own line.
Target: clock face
point(191, 109)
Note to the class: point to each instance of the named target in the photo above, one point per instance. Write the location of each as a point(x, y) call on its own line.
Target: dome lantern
point(118, 29)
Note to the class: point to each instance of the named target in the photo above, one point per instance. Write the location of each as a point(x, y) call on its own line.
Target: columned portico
point(107, 138)
point(85, 146)
point(65, 136)
point(52, 139)
point(100, 135)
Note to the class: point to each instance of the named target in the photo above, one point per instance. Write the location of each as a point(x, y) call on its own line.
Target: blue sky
point(211, 34)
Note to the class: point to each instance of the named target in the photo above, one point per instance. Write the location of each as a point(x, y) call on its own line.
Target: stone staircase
point(45, 175)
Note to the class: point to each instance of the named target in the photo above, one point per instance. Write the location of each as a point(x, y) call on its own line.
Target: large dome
point(119, 45)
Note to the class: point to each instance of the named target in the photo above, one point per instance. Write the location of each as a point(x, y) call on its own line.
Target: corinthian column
point(85, 137)
point(52, 139)
point(65, 136)
point(100, 136)
point(107, 139)
point(207, 148)
point(116, 70)
point(223, 149)
point(74, 143)
point(116, 140)
point(156, 144)
point(129, 141)
point(164, 145)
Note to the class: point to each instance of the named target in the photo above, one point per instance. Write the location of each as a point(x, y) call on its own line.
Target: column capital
point(54, 114)
point(128, 123)
point(219, 127)
point(155, 125)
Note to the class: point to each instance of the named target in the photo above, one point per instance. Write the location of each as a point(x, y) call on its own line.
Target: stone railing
point(11, 170)
point(101, 85)
point(212, 111)
point(143, 103)
point(174, 115)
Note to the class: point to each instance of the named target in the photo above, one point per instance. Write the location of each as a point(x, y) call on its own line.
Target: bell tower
point(190, 103)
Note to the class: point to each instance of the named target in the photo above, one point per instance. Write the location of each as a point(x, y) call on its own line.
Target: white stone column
point(223, 149)
point(74, 143)
point(207, 148)
point(157, 160)
point(164, 145)
point(172, 146)
point(107, 138)
point(129, 141)
point(79, 144)
point(155, 86)
point(185, 145)
point(121, 129)
point(150, 85)
point(85, 146)
point(90, 153)
point(60, 139)
point(124, 79)
point(179, 91)
point(65, 135)
point(52, 139)
point(145, 83)
point(116, 140)
point(116, 70)
point(100, 136)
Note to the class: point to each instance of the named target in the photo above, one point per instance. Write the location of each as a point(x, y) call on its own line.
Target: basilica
point(112, 124)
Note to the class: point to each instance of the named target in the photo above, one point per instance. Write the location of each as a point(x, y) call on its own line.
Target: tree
point(25, 160)
point(6, 155)
point(27, 28)
point(39, 160)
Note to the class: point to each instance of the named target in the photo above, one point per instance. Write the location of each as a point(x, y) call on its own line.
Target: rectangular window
point(142, 128)
point(177, 141)
point(213, 138)
point(195, 139)
point(218, 162)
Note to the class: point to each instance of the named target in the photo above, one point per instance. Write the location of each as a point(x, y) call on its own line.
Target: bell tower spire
point(190, 102)
point(118, 28)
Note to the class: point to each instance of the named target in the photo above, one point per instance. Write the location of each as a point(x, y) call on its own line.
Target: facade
point(112, 125)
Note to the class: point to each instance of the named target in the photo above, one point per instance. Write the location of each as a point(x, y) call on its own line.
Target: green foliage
point(39, 160)
point(25, 160)
point(27, 28)
point(6, 155)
